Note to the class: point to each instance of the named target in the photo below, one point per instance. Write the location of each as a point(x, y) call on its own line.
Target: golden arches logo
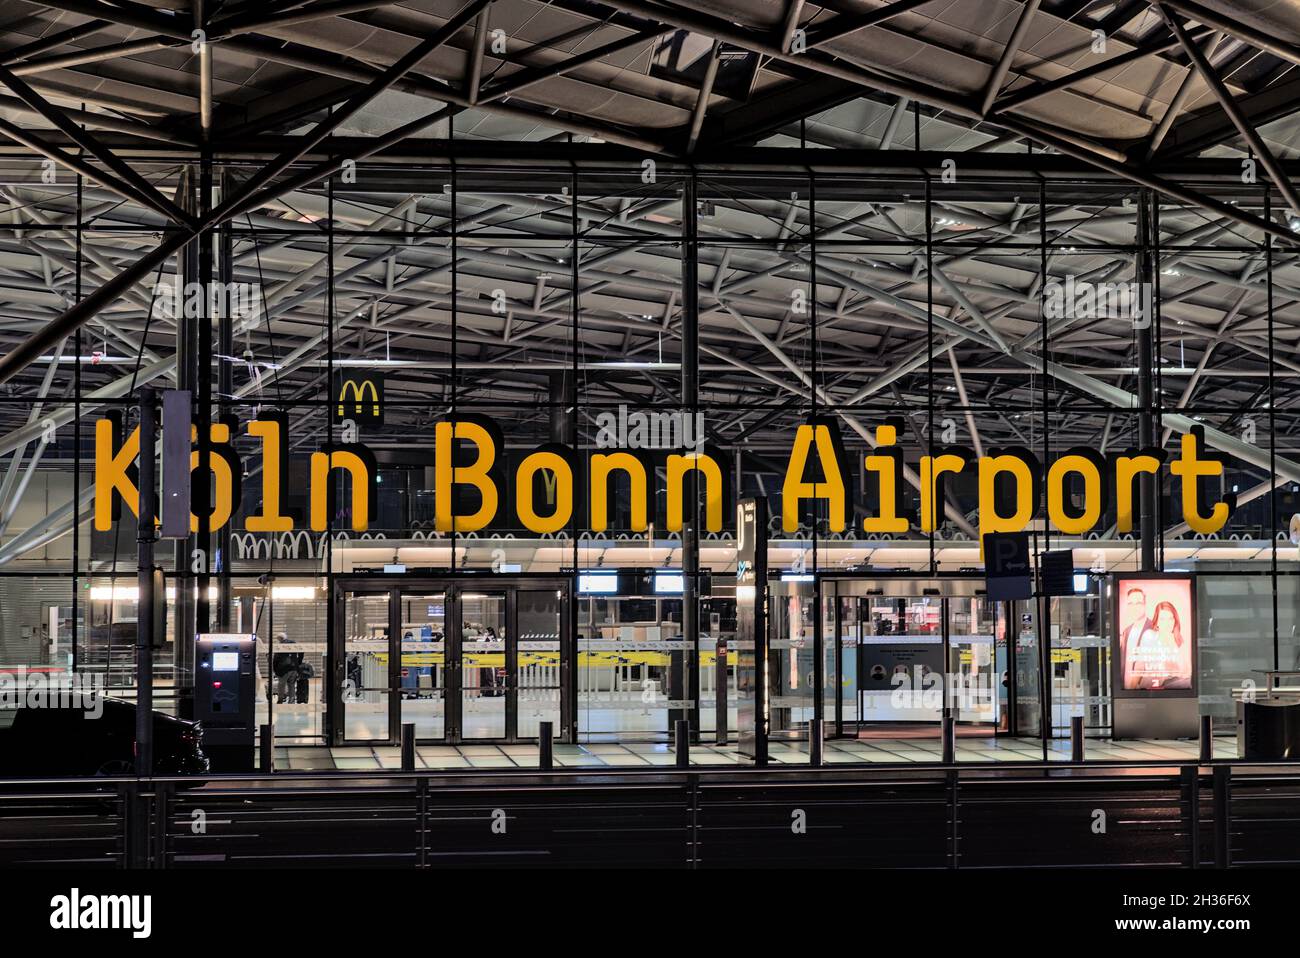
point(358, 391)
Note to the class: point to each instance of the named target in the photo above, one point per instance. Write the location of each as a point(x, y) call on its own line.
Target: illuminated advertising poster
point(1155, 642)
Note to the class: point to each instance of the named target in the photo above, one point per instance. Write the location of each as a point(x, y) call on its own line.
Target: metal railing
point(1062, 815)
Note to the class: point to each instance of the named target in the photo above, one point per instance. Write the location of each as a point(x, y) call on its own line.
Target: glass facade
point(632, 316)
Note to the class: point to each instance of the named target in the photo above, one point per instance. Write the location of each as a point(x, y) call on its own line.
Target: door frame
point(859, 588)
point(452, 587)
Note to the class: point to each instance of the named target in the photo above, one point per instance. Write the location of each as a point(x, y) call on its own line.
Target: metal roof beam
point(848, 23)
point(1213, 127)
point(403, 65)
point(125, 179)
point(54, 40)
point(1042, 88)
point(1239, 29)
point(529, 76)
point(1215, 83)
point(1000, 69)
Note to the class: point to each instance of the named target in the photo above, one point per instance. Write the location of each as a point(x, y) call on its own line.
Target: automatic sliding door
point(842, 679)
point(792, 611)
point(1028, 716)
point(972, 631)
point(536, 678)
point(423, 673)
point(482, 635)
point(460, 662)
point(832, 667)
point(365, 685)
point(900, 682)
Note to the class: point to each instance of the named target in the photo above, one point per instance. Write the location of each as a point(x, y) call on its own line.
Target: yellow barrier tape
point(497, 660)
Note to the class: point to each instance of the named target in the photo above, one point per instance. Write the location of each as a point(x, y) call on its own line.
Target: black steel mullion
point(394, 665)
point(76, 430)
point(839, 663)
point(453, 712)
point(1272, 428)
point(511, 648)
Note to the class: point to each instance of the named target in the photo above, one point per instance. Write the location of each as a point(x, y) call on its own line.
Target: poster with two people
point(1157, 633)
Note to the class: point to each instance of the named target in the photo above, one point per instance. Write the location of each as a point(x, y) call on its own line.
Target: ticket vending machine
point(225, 691)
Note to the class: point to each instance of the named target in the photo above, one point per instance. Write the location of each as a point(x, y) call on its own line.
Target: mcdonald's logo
point(359, 396)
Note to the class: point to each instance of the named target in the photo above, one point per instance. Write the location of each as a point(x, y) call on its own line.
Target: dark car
point(69, 742)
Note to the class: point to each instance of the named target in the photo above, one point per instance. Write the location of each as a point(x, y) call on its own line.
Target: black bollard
point(816, 733)
point(408, 747)
point(545, 752)
point(683, 735)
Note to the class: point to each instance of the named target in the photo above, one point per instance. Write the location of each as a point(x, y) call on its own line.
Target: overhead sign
point(1056, 571)
point(177, 414)
point(1006, 566)
point(359, 396)
point(550, 487)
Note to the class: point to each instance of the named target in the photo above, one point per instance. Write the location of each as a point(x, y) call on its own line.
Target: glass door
point(901, 653)
point(901, 678)
point(536, 673)
point(460, 661)
point(479, 656)
point(1080, 657)
point(1027, 707)
point(972, 661)
point(363, 671)
point(792, 620)
point(422, 676)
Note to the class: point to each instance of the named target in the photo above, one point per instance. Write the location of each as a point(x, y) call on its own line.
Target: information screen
point(225, 661)
point(598, 583)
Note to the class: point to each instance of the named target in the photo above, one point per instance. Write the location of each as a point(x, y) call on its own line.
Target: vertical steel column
point(690, 405)
point(946, 717)
point(1043, 602)
point(838, 681)
point(1272, 429)
point(225, 389)
point(333, 718)
point(183, 614)
point(1012, 631)
point(927, 449)
point(76, 429)
point(146, 534)
point(1045, 723)
point(1147, 489)
point(819, 638)
point(202, 481)
point(575, 350)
